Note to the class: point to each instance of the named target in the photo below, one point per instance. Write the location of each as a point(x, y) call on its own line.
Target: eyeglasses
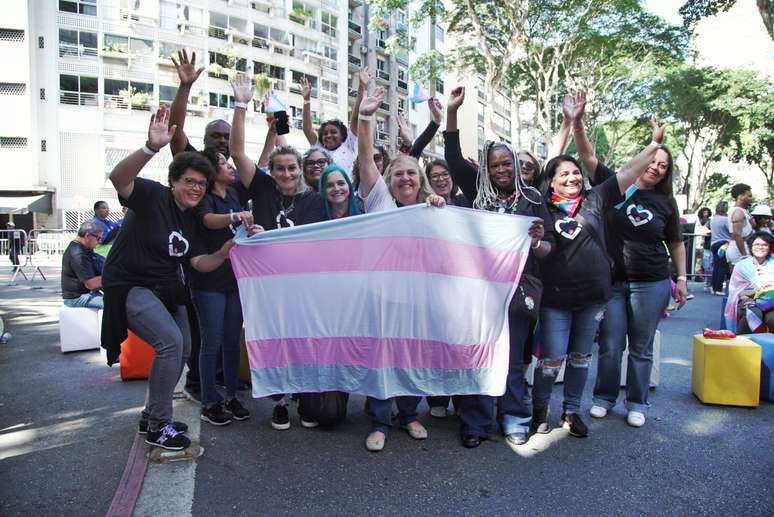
point(191, 183)
point(95, 235)
point(322, 162)
point(439, 176)
point(527, 166)
point(760, 245)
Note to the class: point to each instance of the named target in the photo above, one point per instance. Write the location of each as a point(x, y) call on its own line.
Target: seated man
point(81, 269)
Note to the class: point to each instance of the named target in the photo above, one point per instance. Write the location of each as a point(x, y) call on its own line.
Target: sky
point(667, 9)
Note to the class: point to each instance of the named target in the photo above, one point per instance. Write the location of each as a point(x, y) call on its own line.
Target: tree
point(755, 144)
point(708, 108)
point(543, 48)
point(694, 10)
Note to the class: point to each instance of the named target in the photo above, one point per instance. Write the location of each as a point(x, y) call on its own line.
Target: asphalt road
point(67, 423)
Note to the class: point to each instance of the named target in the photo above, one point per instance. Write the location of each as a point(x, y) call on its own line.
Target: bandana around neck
point(568, 205)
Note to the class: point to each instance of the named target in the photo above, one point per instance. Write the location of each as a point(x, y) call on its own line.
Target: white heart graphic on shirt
point(639, 215)
point(178, 245)
point(568, 227)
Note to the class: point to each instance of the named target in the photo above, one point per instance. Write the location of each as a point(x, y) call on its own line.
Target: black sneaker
point(167, 438)
point(216, 415)
point(573, 423)
point(540, 420)
point(180, 427)
point(279, 418)
point(238, 411)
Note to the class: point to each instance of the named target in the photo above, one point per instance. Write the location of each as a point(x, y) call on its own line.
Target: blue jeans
point(634, 310)
point(719, 267)
point(514, 412)
point(381, 419)
point(565, 333)
point(220, 324)
point(90, 300)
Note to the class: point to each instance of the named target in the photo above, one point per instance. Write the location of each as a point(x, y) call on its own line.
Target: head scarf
point(352, 208)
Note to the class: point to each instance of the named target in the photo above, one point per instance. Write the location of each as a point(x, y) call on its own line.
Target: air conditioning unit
point(363, 49)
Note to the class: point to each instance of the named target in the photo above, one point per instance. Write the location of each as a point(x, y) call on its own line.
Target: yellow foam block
point(726, 371)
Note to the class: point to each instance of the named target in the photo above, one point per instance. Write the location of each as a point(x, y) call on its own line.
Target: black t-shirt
point(155, 239)
point(79, 264)
point(273, 210)
point(577, 272)
point(221, 280)
point(637, 233)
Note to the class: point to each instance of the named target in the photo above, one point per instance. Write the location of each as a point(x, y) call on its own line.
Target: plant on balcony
point(113, 47)
point(262, 84)
point(140, 99)
point(300, 15)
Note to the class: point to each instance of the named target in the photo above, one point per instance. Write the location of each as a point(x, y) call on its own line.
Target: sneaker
point(573, 423)
point(193, 394)
point(689, 297)
point(237, 410)
point(375, 441)
point(540, 420)
point(635, 419)
point(180, 427)
point(167, 438)
point(279, 418)
point(216, 415)
point(416, 430)
point(309, 424)
point(516, 439)
point(438, 412)
point(598, 411)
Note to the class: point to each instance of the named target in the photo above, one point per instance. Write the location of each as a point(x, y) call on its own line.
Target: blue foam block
point(766, 342)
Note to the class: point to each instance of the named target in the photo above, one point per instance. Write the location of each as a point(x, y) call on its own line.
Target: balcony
point(117, 53)
point(402, 84)
point(352, 93)
point(217, 33)
point(72, 50)
point(384, 107)
point(355, 30)
point(355, 63)
point(137, 102)
point(402, 58)
point(78, 99)
point(382, 136)
point(381, 45)
point(382, 75)
point(278, 85)
point(330, 97)
point(355, 3)
point(261, 43)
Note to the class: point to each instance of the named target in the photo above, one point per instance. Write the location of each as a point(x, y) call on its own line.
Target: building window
point(113, 43)
point(439, 33)
point(329, 23)
point(296, 79)
point(13, 88)
point(330, 91)
point(78, 90)
point(13, 142)
point(11, 35)
point(121, 94)
point(221, 100)
point(167, 93)
point(87, 7)
point(439, 86)
point(331, 53)
point(401, 105)
point(77, 43)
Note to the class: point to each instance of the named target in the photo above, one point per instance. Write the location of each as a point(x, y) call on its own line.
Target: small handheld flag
point(273, 104)
point(418, 93)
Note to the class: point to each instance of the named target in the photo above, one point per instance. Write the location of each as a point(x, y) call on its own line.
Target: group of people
point(599, 262)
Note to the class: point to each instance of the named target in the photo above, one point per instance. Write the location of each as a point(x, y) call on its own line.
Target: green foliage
point(262, 84)
point(694, 10)
point(755, 143)
point(427, 68)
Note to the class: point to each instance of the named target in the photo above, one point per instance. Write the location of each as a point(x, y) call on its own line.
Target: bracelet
point(653, 142)
point(307, 102)
point(231, 217)
point(536, 246)
point(365, 118)
point(147, 150)
point(242, 105)
point(683, 278)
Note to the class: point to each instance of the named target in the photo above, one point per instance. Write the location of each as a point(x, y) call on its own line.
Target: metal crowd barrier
point(15, 243)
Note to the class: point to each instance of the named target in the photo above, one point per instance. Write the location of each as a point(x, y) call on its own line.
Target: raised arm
point(559, 144)
point(188, 73)
point(369, 174)
point(632, 170)
point(159, 134)
point(306, 121)
point(463, 173)
point(364, 77)
point(243, 92)
point(573, 108)
point(436, 110)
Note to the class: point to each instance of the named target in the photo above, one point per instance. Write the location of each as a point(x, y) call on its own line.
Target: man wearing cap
point(762, 216)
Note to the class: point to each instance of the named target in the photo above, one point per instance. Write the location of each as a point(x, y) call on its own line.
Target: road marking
point(131, 482)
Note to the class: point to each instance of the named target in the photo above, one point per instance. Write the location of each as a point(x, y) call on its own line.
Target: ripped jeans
point(565, 334)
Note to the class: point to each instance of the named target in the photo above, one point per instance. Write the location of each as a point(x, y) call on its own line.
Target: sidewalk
point(67, 423)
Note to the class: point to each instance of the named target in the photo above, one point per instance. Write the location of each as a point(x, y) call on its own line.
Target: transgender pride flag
point(412, 301)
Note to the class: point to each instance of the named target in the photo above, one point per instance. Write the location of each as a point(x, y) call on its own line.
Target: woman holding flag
point(403, 184)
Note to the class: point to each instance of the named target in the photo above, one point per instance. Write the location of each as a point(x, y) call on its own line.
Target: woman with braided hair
point(498, 188)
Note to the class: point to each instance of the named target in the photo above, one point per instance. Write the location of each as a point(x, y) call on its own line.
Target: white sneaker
point(635, 419)
point(598, 412)
point(438, 412)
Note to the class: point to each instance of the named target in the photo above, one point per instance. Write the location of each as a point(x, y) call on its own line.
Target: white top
point(732, 253)
point(379, 199)
point(345, 154)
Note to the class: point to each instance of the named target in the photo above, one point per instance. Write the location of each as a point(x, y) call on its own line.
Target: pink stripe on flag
point(415, 254)
point(370, 352)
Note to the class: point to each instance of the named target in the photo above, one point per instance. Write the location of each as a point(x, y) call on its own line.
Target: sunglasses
point(527, 166)
point(322, 162)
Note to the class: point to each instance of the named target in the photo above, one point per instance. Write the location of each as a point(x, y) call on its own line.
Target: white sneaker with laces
point(635, 419)
point(598, 412)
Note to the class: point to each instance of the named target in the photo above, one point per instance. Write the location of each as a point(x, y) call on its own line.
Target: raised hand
point(243, 87)
point(573, 107)
point(404, 130)
point(159, 132)
point(436, 110)
point(371, 102)
point(456, 97)
point(364, 77)
point(186, 70)
point(306, 88)
point(657, 131)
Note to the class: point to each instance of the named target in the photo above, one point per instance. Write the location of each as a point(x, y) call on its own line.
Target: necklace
point(282, 216)
point(504, 202)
